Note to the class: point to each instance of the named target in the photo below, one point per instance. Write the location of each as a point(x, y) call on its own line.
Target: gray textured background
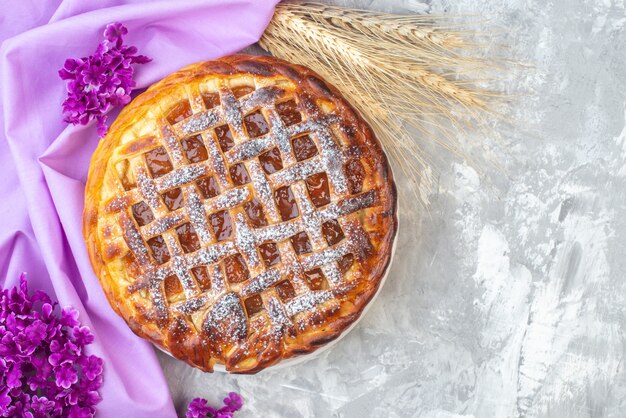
point(508, 299)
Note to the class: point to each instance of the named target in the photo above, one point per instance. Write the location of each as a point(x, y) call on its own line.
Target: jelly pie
point(240, 212)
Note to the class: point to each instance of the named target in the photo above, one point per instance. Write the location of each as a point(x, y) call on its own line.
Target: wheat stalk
point(400, 71)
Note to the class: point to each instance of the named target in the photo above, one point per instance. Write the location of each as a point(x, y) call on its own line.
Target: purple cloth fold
point(44, 162)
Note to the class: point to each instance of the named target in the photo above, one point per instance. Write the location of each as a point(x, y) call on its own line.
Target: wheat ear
point(399, 70)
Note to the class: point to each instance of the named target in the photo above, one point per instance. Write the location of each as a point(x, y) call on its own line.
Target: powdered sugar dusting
point(134, 240)
point(245, 242)
point(197, 216)
point(226, 316)
point(232, 114)
point(333, 274)
point(263, 190)
point(249, 149)
point(159, 226)
point(228, 200)
point(218, 282)
point(326, 256)
point(147, 188)
point(261, 282)
point(191, 305)
point(227, 319)
point(179, 267)
point(298, 171)
point(332, 158)
point(278, 316)
point(281, 137)
point(158, 299)
point(310, 217)
point(211, 254)
point(184, 175)
point(199, 122)
point(171, 144)
point(307, 301)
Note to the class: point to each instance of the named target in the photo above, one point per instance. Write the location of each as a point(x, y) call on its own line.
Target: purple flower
point(47, 312)
point(100, 81)
point(199, 408)
point(102, 128)
point(114, 31)
point(92, 367)
point(41, 405)
point(69, 317)
point(66, 376)
point(5, 400)
point(13, 377)
point(82, 335)
point(93, 76)
point(233, 402)
point(91, 398)
point(78, 412)
point(35, 332)
point(44, 370)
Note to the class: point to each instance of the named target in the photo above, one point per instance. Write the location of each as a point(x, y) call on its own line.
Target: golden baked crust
point(247, 233)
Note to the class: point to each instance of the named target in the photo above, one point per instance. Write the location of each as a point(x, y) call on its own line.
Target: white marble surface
point(509, 298)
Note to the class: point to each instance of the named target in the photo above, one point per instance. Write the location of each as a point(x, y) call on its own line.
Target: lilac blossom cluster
point(100, 81)
point(199, 408)
point(44, 369)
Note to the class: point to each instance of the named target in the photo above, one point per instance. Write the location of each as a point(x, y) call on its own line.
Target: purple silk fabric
point(44, 163)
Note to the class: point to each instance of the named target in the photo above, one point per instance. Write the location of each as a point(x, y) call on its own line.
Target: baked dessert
point(240, 212)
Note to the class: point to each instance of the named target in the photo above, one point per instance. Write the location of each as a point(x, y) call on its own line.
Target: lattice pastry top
point(240, 212)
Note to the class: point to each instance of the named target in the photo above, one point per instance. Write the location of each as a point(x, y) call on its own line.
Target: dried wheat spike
point(399, 70)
